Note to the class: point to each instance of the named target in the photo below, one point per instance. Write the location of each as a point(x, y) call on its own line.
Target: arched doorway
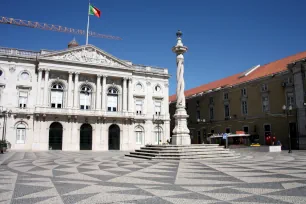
point(55, 136)
point(114, 137)
point(86, 137)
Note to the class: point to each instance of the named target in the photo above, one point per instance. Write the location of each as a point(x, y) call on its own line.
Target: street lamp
point(287, 110)
point(201, 121)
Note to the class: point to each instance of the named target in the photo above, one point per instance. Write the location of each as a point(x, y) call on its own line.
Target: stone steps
point(183, 152)
point(164, 154)
point(216, 157)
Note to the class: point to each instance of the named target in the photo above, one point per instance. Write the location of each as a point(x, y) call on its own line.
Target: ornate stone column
point(98, 104)
point(76, 90)
point(124, 94)
point(104, 93)
point(180, 132)
point(130, 99)
point(38, 98)
point(46, 88)
point(70, 99)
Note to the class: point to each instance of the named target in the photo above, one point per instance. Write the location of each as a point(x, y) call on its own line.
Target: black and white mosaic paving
point(109, 177)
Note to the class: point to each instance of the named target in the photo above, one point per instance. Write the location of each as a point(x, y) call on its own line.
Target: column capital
point(130, 79)
point(47, 69)
point(104, 76)
point(125, 78)
point(70, 72)
point(76, 73)
point(40, 69)
point(99, 75)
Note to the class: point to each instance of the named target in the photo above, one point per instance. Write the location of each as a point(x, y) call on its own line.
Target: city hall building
point(81, 98)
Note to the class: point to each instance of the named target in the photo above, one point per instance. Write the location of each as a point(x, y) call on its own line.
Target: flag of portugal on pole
point(94, 11)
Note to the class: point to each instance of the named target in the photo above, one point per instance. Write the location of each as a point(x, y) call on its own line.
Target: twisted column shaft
point(180, 96)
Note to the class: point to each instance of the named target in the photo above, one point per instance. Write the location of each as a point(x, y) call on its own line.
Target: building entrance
point(114, 137)
point(55, 136)
point(86, 137)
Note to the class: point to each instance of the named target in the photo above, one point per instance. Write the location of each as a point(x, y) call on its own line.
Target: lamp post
point(201, 121)
point(287, 110)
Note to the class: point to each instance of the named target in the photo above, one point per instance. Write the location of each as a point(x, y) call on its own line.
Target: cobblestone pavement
point(108, 177)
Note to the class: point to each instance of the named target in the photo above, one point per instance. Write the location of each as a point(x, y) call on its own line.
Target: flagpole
point(87, 23)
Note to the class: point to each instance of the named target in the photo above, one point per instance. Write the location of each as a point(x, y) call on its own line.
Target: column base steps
point(184, 152)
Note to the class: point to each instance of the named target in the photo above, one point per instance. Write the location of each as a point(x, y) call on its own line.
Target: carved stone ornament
point(12, 68)
point(88, 56)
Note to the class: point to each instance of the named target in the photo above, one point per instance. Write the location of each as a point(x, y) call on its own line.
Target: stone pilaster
point(298, 78)
point(38, 98)
point(46, 87)
point(76, 90)
point(130, 96)
point(104, 93)
point(124, 94)
point(70, 99)
point(98, 104)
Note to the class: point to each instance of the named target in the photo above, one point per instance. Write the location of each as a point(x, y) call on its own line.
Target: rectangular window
point(198, 103)
point(211, 113)
point(289, 81)
point(139, 106)
point(157, 107)
point(226, 111)
point(211, 100)
point(20, 137)
point(246, 129)
point(264, 87)
point(243, 92)
point(228, 130)
point(265, 104)
point(112, 102)
point(225, 96)
point(244, 105)
point(85, 101)
point(198, 115)
point(290, 99)
point(56, 99)
point(23, 99)
point(267, 129)
point(139, 137)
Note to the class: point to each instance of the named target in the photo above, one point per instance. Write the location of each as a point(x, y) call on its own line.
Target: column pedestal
point(181, 132)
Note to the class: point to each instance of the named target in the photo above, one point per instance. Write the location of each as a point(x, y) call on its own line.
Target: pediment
point(87, 54)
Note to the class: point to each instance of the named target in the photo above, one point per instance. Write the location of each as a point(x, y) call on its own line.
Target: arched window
point(112, 100)
point(20, 133)
point(85, 97)
point(158, 132)
point(24, 75)
point(139, 132)
point(57, 92)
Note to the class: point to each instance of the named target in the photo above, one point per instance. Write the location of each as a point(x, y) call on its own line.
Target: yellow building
point(253, 102)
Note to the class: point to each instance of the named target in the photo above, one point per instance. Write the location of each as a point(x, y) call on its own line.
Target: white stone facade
point(47, 97)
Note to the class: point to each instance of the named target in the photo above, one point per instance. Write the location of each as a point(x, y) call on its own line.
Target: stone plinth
point(181, 132)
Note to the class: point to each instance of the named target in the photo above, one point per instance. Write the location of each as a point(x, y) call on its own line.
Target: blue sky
point(224, 37)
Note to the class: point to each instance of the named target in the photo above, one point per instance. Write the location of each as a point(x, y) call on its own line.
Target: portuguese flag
point(94, 11)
